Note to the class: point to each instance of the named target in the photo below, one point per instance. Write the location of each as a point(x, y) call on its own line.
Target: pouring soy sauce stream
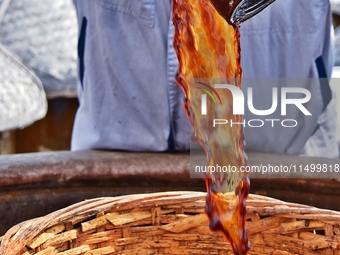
point(207, 45)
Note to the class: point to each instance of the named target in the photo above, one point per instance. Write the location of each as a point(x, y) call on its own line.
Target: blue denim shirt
point(288, 41)
point(127, 93)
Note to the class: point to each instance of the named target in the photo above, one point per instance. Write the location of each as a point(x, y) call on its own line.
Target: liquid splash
point(208, 47)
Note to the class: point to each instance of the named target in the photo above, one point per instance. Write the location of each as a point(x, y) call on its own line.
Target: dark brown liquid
point(208, 47)
point(225, 7)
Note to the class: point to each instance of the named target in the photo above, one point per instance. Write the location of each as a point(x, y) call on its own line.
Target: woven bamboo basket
point(171, 223)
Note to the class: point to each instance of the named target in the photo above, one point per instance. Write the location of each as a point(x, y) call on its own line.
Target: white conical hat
point(22, 97)
point(43, 34)
point(335, 6)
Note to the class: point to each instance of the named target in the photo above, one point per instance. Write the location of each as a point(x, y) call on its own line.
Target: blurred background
point(38, 69)
point(38, 52)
